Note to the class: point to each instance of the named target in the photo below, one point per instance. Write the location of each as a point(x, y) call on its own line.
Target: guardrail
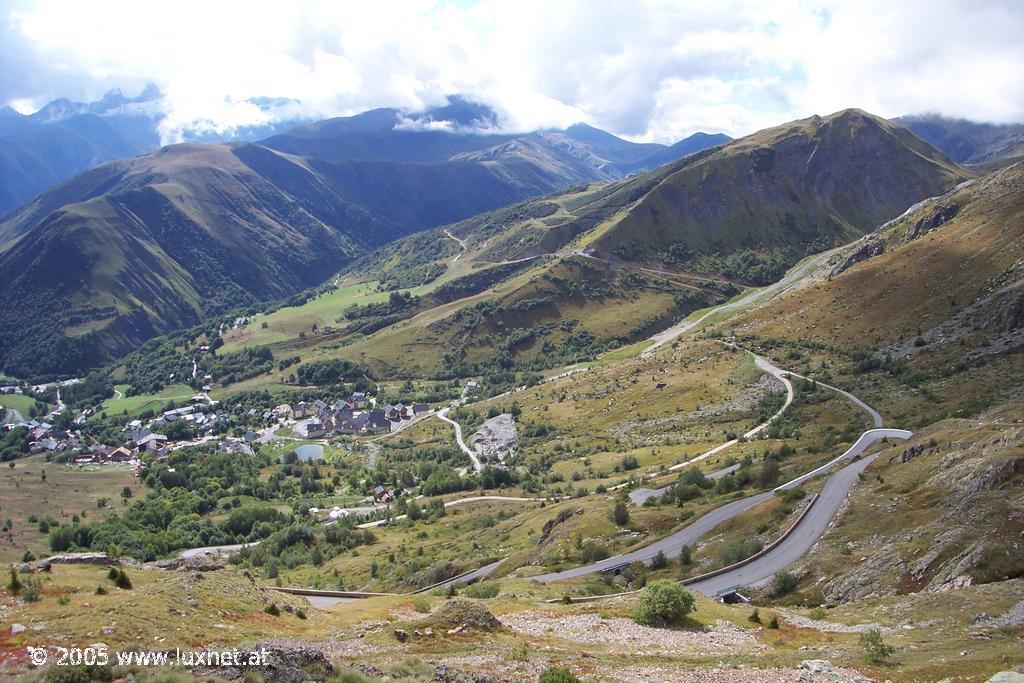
point(454, 579)
point(758, 555)
point(713, 573)
point(329, 593)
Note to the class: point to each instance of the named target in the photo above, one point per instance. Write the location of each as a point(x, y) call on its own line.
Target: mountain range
point(142, 246)
point(969, 142)
point(539, 283)
point(64, 138)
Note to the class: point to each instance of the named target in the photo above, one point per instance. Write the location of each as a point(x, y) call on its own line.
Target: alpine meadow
point(484, 341)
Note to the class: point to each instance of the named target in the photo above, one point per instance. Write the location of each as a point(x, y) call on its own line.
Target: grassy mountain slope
point(780, 194)
point(542, 283)
point(924, 319)
point(936, 297)
point(157, 242)
point(246, 222)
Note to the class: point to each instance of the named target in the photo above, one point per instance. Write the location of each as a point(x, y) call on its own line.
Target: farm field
point(67, 491)
point(134, 405)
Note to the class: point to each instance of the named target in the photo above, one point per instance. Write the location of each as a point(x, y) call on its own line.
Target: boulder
point(817, 666)
point(77, 558)
point(460, 614)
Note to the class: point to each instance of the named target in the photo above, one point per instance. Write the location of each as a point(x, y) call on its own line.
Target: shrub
point(78, 673)
point(738, 550)
point(659, 561)
point(483, 590)
point(14, 585)
point(818, 613)
point(272, 610)
point(783, 583)
point(875, 649)
point(774, 623)
point(421, 605)
point(63, 600)
point(755, 616)
point(663, 603)
point(521, 652)
point(593, 552)
point(300, 613)
point(32, 590)
point(620, 513)
point(557, 674)
point(122, 580)
point(685, 555)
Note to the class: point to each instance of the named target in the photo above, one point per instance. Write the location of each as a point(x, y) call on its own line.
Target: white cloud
point(647, 69)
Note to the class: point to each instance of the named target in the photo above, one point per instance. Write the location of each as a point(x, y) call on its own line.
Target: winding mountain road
point(798, 541)
point(809, 529)
point(443, 415)
point(791, 279)
point(765, 365)
point(462, 244)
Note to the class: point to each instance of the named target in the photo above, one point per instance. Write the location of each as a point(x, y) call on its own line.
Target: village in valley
point(62, 436)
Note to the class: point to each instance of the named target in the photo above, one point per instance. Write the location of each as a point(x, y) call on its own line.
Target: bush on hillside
point(557, 674)
point(663, 603)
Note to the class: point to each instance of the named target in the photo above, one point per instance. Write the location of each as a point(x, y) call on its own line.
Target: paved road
point(670, 545)
point(324, 601)
point(766, 366)
point(454, 503)
point(876, 419)
point(818, 516)
point(796, 545)
point(215, 549)
point(859, 446)
point(443, 415)
point(641, 496)
point(466, 579)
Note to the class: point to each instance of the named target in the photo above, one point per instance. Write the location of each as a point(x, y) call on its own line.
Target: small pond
point(310, 451)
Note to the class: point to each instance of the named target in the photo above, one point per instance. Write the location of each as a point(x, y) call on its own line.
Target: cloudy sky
point(643, 69)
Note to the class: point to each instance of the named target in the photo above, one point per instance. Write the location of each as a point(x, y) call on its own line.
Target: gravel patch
point(332, 648)
point(496, 438)
point(593, 629)
point(642, 674)
point(497, 668)
point(1013, 617)
point(801, 621)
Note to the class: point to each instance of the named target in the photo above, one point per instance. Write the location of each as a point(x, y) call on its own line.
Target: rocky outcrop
point(863, 582)
point(198, 563)
point(909, 454)
point(869, 247)
point(76, 558)
point(460, 614)
point(291, 664)
point(940, 215)
point(545, 532)
point(496, 439)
